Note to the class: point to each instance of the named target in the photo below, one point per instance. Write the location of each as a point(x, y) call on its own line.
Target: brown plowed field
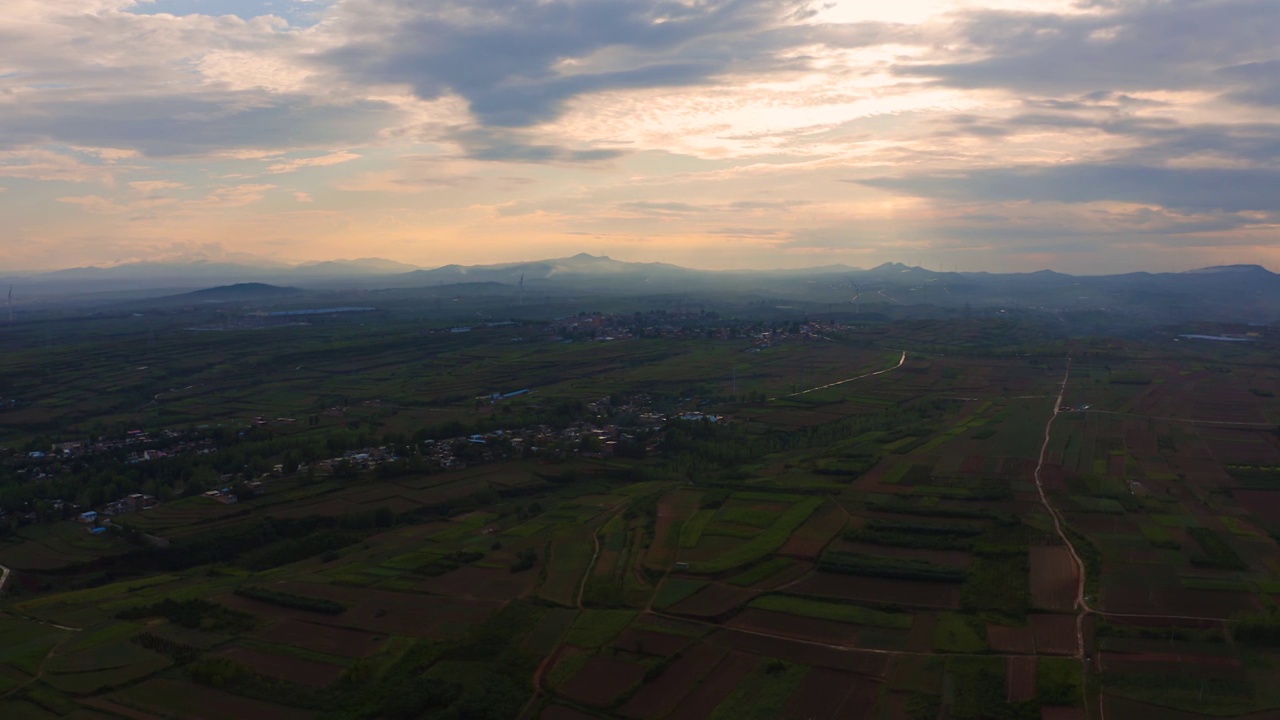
point(785, 576)
point(776, 623)
point(827, 694)
point(1019, 640)
point(1142, 442)
point(713, 600)
point(174, 698)
point(1018, 467)
point(377, 611)
point(1164, 622)
point(603, 679)
point(1111, 660)
point(973, 464)
point(1115, 465)
point(486, 583)
point(1063, 713)
point(1055, 634)
point(673, 626)
point(1262, 503)
point(894, 707)
point(1175, 601)
point(560, 655)
point(1245, 451)
point(117, 710)
point(1125, 709)
point(560, 712)
point(678, 506)
point(657, 698)
point(1054, 477)
point(718, 685)
point(860, 662)
point(648, 642)
point(605, 563)
point(323, 638)
point(920, 639)
point(1020, 674)
point(1053, 578)
point(1100, 524)
point(879, 590)
point(946, 558)
point(808, 541)
point(285, 667)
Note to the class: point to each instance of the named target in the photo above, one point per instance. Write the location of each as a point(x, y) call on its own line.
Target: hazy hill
point(361, 266)
point(238, 292)
point(1241, 293)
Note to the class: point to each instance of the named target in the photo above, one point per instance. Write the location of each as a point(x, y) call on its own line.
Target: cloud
point(502, 145)
point(220, 198)
point(321, 161)
point(193, 125)
point(151, 187)
point(517, 63)
point(1123, 45)
point(34, 163)
point(96, 75)
point(1256, 82)
point(679, 125)
point(1227, 189)
point(648, 207)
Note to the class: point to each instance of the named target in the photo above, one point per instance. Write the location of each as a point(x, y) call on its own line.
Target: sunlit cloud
point(321, 161)
point(1085, 134)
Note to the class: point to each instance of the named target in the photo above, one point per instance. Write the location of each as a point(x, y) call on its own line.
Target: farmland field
point(878, 520)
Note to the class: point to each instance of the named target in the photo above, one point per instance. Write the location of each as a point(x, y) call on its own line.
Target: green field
point(879, 548)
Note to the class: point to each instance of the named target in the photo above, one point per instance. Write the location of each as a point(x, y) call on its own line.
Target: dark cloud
point(1131, 45)
point(661, 208)
point(1226, 189)
point(1155, 141)
point(1257, 83)
point(518, 62)
point(683, 208)
point(187, 125)
point(499, 144)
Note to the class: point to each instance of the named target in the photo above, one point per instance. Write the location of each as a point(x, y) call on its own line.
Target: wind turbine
point(856, 292)
point(521, 289)
point(10, 303)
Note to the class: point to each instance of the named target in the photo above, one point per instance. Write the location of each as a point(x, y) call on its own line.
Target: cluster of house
point(223, 495)
point(98, 520)
point(130, 503)
point(687, 325)
point(166, 444)
point(813, 330)
point(598, 434)
point(538, 441)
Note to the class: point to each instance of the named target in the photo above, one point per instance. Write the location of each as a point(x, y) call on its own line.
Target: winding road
point(1082, 606)
point(1081, 603)
point(901, 360)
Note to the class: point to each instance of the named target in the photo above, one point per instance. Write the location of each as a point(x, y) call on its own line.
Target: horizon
point(1085, 136)
point(289, 267)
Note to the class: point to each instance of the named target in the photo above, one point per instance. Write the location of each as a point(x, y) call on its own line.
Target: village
point(624, 427)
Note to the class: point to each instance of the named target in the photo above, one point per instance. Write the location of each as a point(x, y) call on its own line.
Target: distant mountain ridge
point(1248, 293)
point(582, 263)
point(239, 292)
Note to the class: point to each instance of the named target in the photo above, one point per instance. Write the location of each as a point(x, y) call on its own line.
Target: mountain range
point(1247, 293)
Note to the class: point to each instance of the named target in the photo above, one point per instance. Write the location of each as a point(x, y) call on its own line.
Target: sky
point(1086, 136)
